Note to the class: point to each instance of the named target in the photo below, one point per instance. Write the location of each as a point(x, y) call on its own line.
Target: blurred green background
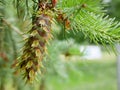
point(66, 70)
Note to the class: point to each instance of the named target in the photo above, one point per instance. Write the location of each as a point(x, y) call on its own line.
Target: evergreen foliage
point(87, 16)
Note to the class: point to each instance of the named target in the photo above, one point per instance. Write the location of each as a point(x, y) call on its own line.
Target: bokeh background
point(74, 63)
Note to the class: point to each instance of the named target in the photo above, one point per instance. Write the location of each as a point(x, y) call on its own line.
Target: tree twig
point(13, 27)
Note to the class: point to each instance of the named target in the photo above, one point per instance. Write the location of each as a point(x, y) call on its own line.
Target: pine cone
point(35, 46)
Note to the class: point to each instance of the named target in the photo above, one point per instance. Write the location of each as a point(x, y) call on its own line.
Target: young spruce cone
point(35, 46)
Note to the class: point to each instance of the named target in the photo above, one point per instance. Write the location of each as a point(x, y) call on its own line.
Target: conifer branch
point(88, 18)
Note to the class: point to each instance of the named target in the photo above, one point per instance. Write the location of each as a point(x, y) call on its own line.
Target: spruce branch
point(86, 16)
point(98, 28)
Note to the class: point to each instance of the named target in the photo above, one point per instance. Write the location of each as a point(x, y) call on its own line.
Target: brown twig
point(13, 27)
